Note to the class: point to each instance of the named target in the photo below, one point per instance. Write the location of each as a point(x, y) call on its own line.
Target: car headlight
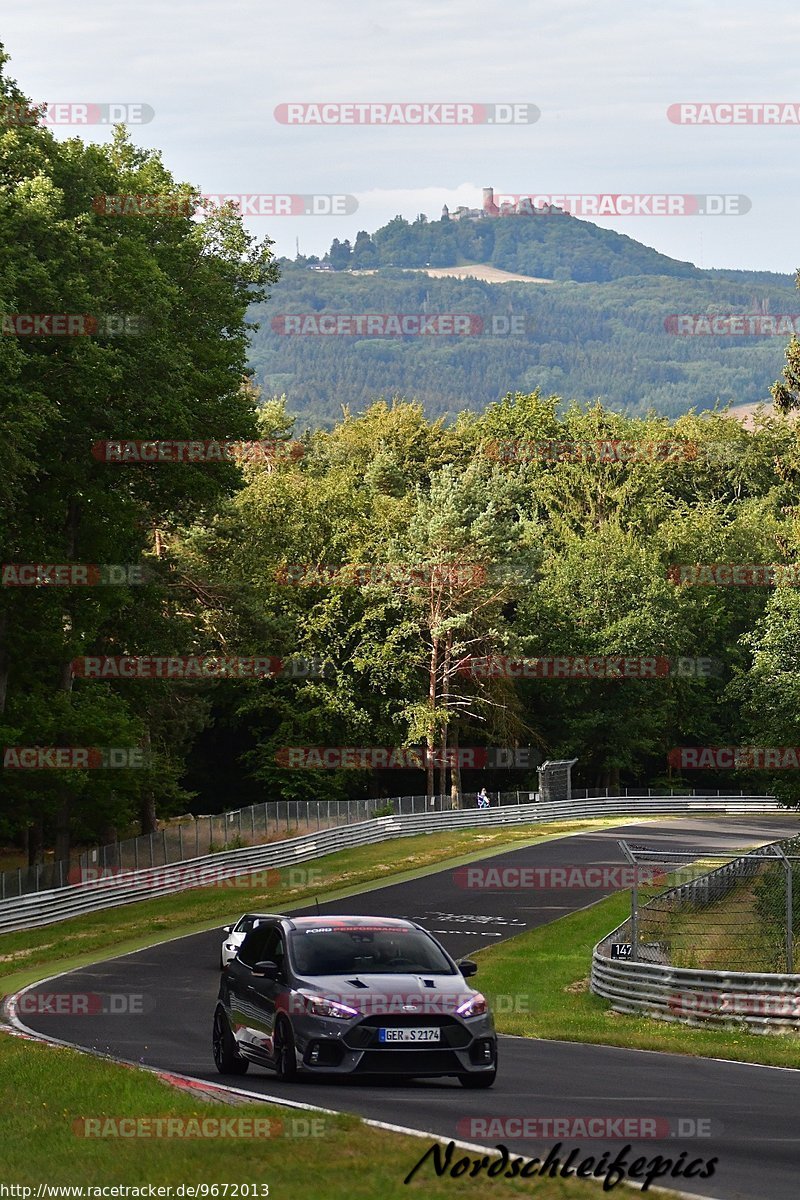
point(475, 1006)
point(324, 1006)
point(229, 946)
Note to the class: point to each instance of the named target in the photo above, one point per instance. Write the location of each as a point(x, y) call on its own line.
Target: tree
point(179, 292)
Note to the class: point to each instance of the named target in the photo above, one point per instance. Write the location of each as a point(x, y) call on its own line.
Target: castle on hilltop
point(522, 208)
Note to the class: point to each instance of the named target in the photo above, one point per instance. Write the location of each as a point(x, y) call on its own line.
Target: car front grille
point(408, 1062)
point(365, 1034)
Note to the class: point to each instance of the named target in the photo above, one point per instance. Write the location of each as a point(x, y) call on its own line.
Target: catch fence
point(192, 837)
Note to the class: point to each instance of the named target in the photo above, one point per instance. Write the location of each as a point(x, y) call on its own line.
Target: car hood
point(400, 994)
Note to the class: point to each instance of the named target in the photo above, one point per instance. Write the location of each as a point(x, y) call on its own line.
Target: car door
point(244, 998)
point(264, 992)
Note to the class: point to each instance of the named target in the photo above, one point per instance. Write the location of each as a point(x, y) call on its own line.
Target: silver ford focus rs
point(351, 995)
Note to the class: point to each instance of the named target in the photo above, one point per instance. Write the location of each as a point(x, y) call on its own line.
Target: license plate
point(409, 1035)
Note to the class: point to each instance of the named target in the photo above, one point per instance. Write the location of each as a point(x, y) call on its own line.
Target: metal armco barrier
point(46, 908)
point(762, 1002)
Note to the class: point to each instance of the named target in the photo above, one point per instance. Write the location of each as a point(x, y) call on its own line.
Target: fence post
point(789, 920)
point(180, 843)
point(136, 854)
point(253, 820)
point(634, 901)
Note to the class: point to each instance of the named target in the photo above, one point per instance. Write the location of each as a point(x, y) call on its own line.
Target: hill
point(596, 326)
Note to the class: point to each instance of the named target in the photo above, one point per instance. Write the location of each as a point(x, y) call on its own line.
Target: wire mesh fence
point(738, 911)
point(192, 836)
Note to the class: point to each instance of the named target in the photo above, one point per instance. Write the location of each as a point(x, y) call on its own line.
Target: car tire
point(226, 1056)
point(483, 1080)
point(221, 962)
point(285, 1056)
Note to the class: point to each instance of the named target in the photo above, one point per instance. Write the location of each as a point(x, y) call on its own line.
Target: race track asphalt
point(749, 1114)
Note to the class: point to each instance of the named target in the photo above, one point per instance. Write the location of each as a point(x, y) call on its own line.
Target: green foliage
point(585, 341)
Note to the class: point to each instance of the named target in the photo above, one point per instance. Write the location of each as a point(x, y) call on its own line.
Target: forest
point(600, 329)
point(198, 588)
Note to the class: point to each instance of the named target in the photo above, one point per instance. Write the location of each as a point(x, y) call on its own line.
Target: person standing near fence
point(483, 799)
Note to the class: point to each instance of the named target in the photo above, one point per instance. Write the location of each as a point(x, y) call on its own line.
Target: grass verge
point(538, 985)
point(45, 1090)
point(28, 955)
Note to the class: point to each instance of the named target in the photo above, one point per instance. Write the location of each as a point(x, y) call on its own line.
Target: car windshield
point(245, 925)
point(386, 950)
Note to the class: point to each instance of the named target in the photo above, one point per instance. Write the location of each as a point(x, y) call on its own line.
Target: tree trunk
point(3, 660)
point(147, 808)
point(34, 836)
point(434, 667)
point(455, 771)
point(445, 691)
point(63, 838)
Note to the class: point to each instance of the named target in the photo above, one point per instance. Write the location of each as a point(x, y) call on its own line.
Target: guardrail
point(192, 836)
point(127, 887)
point(764, 1002)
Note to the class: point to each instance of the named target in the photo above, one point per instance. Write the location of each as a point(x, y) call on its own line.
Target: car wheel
point(221, 962)
point(226, 1056)
point(285, 1057)
point(484, 1080)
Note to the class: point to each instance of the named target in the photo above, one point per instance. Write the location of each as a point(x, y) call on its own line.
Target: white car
point(234, 936)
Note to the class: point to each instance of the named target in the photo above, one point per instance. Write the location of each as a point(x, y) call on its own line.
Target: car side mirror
point(467, 967)
point(226, 928)
point(266, 969)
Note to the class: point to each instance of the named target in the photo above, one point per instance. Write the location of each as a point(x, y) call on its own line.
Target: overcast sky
point(603, 77)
